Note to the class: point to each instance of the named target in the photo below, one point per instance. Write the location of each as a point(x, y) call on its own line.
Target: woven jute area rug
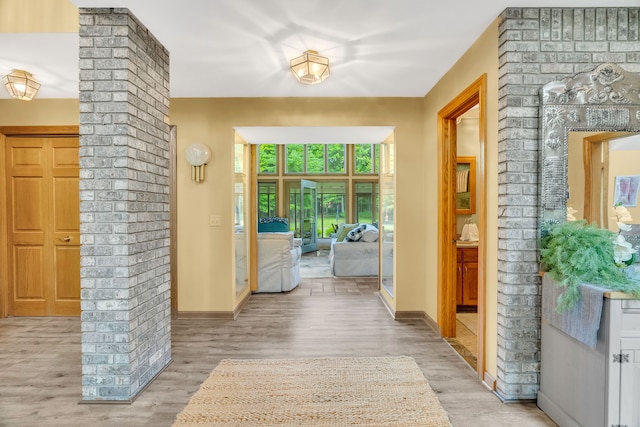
point(362, 391)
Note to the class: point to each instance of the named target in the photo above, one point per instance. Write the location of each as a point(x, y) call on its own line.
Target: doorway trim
point(447, 234)
point(6, 131)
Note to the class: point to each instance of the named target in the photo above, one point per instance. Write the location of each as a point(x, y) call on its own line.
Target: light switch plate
point(214, 220)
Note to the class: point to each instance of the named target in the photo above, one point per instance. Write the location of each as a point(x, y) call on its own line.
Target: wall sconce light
point(198, 155)
point(21, 85)
point(310, 68)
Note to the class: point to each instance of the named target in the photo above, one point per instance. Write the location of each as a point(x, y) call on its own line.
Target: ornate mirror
point(606, 99)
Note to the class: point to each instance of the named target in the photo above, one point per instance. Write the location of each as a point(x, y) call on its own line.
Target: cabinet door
point(459, 286)
point(470, 283)
point(629, 383)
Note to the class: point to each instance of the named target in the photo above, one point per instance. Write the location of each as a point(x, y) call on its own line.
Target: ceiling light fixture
point(310, 68)
point(21, 85)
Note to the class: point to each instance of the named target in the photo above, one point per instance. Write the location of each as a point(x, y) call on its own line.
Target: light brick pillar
point(536, 46)
point(124, 208)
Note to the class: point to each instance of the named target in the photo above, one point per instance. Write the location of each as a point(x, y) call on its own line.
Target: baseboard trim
point(401, 315)
point(191, 315)
point(132, 398)
point(241, 305)
point(489, 381)
point(514, 400)
point(409, 315)
point(224, 315)
point(390, 309)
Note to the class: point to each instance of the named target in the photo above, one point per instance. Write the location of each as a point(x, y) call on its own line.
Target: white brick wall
point(537, 46)
point(124, 193)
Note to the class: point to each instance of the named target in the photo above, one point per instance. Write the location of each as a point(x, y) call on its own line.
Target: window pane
point(363, 158)
point(295, 158)
point(377, 158)
point(238, 160)
point(294, 209)
point(315, 158)
point(331, 206)
point(267, 158)
point(336, 158)
point(266, 199)
point(364, 202)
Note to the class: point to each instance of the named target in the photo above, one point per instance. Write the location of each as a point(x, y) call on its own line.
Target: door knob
point(65, 238)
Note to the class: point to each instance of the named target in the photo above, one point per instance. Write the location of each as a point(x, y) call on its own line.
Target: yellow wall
point(204, 259)
point(481, 58)
point(39, 112)
point(38, 16)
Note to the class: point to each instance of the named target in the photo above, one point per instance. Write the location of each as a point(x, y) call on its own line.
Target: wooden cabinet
point(467, 278)
point(582, 386)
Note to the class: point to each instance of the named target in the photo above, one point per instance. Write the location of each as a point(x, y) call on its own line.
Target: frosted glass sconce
point(198, 155)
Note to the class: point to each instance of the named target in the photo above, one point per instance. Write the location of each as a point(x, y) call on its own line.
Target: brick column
point(124, 208)
point(536, 46)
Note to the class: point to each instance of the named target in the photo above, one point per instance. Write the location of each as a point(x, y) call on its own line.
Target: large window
point(267, 199)
point(315, 159)
point(332, 207)
point(366, 202)
point(347, 185)
point(267, 159)
point(366, 158)
point(294, 158)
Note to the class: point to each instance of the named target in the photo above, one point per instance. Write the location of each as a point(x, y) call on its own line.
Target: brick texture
point(124, 205)
point(536, 46)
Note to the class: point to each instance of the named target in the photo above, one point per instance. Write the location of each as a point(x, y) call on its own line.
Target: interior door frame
point(6, 131)
point(447, 232)
point(313, 246)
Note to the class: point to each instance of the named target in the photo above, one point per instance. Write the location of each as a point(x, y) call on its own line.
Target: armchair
point(279, 256)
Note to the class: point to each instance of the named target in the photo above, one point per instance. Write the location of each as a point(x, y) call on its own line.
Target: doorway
point(449, 247)
point(41, 247)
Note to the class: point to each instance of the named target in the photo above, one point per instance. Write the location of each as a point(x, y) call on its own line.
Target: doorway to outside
point(461, 257)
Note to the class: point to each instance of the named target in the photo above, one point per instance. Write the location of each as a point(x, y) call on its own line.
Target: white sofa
point(359, 259)
point(278, 261)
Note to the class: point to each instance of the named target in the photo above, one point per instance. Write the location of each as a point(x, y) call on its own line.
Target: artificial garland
point(575, 252)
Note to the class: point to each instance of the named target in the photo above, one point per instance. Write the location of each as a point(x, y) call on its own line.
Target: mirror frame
point(606, 98)
point(470, 163)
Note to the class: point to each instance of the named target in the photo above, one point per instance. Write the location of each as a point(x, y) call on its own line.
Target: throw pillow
point(370, 236)
point(355, 234)
point(343, 229)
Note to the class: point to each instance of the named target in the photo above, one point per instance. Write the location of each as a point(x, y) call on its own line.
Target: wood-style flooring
point(40, 370)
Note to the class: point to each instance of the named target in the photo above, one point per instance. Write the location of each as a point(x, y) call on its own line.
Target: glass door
point(308, 190)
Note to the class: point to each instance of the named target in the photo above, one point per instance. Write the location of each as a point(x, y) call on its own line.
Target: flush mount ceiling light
point(310, 68)
point(21, 85)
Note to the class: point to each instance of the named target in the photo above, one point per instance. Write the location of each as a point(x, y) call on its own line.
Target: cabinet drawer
point(467, 254)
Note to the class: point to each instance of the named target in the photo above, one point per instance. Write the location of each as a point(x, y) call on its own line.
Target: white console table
point(583, 387)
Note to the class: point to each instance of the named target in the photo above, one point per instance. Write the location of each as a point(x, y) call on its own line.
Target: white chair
point(279, 256)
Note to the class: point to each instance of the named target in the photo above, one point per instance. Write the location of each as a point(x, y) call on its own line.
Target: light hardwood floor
point(40, 371)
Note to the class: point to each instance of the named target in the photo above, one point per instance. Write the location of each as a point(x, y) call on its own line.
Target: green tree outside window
point(315, 158)
point(267, 158)
point(295, 158)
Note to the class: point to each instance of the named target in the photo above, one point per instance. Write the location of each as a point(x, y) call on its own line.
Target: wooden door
point(43, 222)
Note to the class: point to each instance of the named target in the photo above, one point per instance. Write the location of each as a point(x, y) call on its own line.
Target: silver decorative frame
point(604, 99)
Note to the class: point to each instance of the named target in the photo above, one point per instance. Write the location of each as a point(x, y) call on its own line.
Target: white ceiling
point(241, 48)
point(631, 142)
point(314, 134)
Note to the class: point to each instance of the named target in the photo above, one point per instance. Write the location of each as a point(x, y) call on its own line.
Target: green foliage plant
point(575, 252)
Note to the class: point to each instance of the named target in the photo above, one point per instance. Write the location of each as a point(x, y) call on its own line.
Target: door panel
point(43, 222)
point(67, 263)
point(28, 211)
point(66, 202)
point(28, 273)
